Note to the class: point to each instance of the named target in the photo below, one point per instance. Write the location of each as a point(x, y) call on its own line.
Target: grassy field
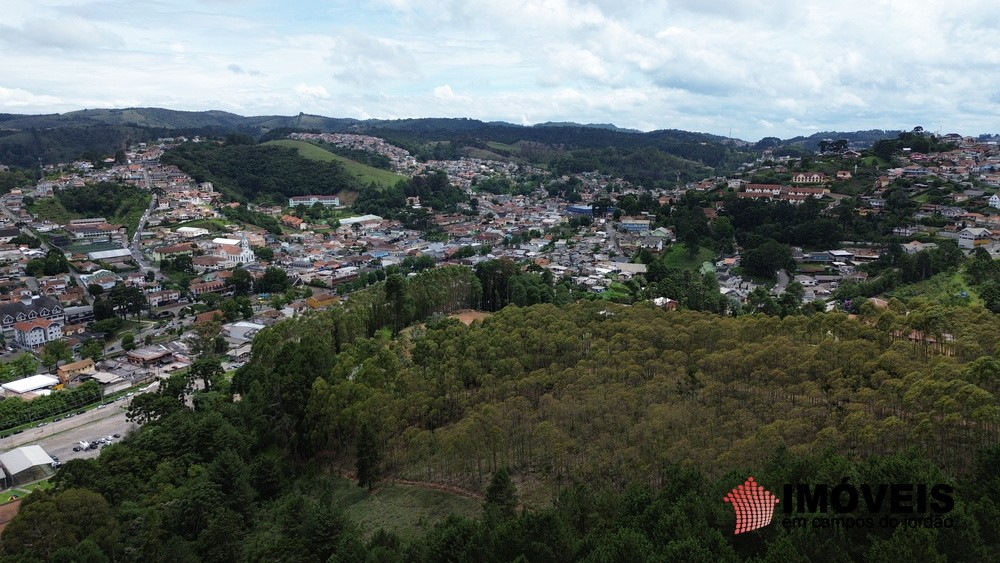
point(616, 291)
point(503, 147)
point(49, 208)
point(403, 509)
point(96, 247)
point(214, 225)
point(943, 288)
point(22, 492)
point(677, 257)
point(366, 174)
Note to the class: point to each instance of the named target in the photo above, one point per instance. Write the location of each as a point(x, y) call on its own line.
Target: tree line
point(632, 422)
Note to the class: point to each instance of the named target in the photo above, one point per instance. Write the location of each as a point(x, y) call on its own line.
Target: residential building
point(158, 298)
point(36, 332)
point(972, 237)
point(69, 372)
point(215, 286)
point(293, 222)
point(30, 308)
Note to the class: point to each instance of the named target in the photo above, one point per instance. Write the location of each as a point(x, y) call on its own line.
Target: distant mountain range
point(27, 140)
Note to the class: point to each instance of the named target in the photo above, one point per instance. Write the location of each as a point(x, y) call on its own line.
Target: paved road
point(613, 237)
point(779, 288)
point(58, 438)
point(144, 265)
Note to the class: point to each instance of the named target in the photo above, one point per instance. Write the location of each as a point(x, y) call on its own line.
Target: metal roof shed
point(29, 384)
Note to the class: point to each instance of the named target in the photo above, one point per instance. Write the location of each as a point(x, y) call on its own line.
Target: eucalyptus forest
point(595, 431)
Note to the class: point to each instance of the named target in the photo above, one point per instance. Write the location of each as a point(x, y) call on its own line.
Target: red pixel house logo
point(753, 504)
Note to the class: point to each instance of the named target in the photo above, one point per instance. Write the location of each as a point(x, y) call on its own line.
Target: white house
point(995, 201)
point(971, 237)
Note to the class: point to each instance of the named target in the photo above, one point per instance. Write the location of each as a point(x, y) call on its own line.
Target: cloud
point(369, 60)
point(237, 69)
point(312, 91)
point(64, 34)
point(444, 93)
point(760, 67)
point(18, 98)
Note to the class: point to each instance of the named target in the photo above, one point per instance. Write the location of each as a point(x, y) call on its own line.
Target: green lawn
point(677, 256)
point(403, 509)
point(366, 174)
point(22, 492)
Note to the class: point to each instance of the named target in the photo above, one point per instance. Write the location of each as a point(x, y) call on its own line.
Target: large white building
point(37, 332)
point(310, 200)
point(234, 252)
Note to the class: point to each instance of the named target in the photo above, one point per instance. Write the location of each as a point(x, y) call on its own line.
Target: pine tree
point(501, 496)
point(367, 456)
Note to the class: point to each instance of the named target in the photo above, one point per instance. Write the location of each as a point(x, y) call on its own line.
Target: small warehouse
point(25, 465)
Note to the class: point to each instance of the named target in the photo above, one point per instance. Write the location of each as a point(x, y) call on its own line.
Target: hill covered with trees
point(246, 171)
point(650, 158)
point(617, 429)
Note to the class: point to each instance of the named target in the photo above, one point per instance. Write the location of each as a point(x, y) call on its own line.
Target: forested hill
point(26, 139)
point(618, 429)
point(610, 394)
point(261, 173)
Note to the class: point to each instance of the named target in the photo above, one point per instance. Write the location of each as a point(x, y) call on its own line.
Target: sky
point(749, 68)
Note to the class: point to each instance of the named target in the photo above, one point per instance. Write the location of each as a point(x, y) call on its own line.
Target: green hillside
point(592, 432)
point(364, 173)
point(262, 173)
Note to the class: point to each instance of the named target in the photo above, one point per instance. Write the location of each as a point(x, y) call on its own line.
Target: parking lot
point(59, 438)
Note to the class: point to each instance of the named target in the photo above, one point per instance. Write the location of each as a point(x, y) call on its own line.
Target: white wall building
point(36, 332)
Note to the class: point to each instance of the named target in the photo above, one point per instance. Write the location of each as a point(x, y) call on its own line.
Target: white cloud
point(18, 98)
point(368, 60)
point(66, 34)
point(312, 91)
point(760, 67)
point(445, 93)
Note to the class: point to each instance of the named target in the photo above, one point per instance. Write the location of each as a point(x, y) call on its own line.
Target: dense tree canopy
point(249, 172)
point(635, 420)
